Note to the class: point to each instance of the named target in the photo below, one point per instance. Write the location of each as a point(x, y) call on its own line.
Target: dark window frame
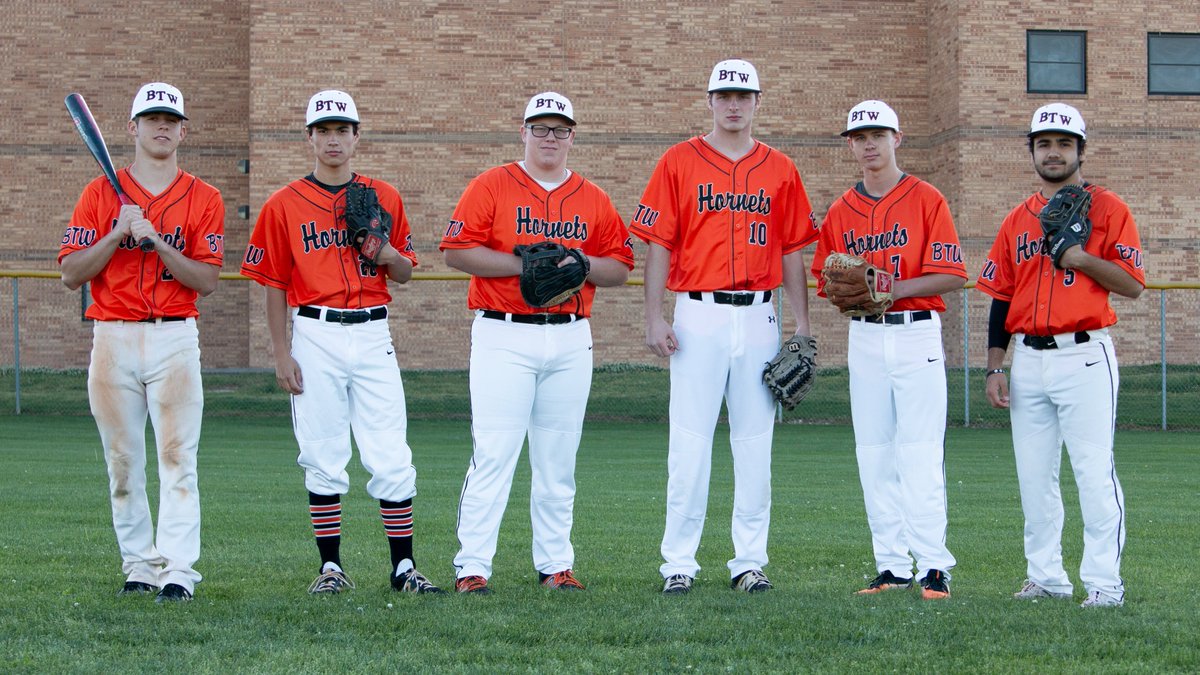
point(1150, 65)
point(1082, 62)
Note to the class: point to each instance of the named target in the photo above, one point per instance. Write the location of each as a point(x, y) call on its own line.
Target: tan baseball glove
point(854, 287)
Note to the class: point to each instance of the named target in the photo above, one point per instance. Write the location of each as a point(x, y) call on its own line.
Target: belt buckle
point(353, 317)
point(741, 299)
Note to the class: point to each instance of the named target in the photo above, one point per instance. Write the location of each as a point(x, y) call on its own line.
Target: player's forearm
point(83, 265)
point(795, 288)
point(398, 268)
point(197, 275)
point(1105, 272)
point(995, 358)
point(658, 261)
point(608, 272)
point(481, 261)
point(927, 286)
point(277, 317)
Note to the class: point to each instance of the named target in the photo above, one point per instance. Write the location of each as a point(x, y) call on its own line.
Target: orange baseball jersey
point(1046, 300)
point(504, 207)
point(299, 246)
point(907, 232)
point(727, 223)
point(190, 216)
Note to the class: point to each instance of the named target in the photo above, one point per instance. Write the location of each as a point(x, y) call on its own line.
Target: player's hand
point(287, 374)
point(142, 229)
point(997, 390)
point(660, 338)
point(125, 218)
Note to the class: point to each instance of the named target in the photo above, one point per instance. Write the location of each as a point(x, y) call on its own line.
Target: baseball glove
point(856, 288)
point(1065, 222)
point(367, 224)
point(791, 373)
point(543, 282)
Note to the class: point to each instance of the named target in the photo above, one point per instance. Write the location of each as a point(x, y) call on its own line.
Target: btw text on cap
point(733, 75)
point(331, 105)
point(157, 97)
point(550, 103)
point(871, 114)
point(1058, 117)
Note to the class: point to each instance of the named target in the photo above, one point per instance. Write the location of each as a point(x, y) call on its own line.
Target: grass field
point(621, 393)
point(59, 612)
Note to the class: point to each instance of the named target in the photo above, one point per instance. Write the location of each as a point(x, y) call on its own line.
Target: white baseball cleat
point(1098, 599)
point(1032, 591)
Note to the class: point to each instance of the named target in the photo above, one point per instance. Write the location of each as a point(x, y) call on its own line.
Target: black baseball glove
point(544, 283)
point(1065, 222)
point(367, 224)
point(790, 375)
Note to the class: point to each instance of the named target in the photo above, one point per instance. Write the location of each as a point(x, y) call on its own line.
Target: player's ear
point(133, 127)
point(899, 138)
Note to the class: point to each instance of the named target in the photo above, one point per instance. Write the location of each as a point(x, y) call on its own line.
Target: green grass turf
point(620, 393)
point(59, 612)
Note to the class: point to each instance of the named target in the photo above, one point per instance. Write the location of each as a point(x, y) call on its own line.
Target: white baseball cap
point(871, 114)
point(331, 105)
point(733, 75)
point(550, 103)
point(1058, 117)
point(157, 97)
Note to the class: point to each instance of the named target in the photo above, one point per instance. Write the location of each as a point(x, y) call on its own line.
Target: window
point(1173, 61)
point(1056, 61)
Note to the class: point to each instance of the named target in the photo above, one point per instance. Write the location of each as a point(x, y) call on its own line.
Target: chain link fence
point(44, 345)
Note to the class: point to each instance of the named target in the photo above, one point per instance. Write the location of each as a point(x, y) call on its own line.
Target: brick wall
point(442, 85)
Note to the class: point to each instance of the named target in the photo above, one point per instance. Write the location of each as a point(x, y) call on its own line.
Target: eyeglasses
point(541, 131)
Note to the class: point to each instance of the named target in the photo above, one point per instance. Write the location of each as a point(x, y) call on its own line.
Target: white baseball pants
point(351, 383)
point(898, 406)
point(722, 349)
point(526, 380)
point(139, 369)
point(1069, 394)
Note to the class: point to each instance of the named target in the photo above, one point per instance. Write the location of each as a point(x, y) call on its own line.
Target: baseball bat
point(89, 131)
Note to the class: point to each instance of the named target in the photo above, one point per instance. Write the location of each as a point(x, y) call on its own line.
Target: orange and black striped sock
point(398, 524)
point(326, 514)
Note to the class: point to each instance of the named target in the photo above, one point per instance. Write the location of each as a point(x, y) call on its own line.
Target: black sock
point(325, 511)
point(398, 524)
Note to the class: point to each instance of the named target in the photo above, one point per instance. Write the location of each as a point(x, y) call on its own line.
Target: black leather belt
point(896, 318)
point(163, 319)
point(736, 299)
point(1040, 342)
point(535, 319)
point(343, 316)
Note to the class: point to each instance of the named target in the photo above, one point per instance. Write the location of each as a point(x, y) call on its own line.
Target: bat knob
point(146, 245)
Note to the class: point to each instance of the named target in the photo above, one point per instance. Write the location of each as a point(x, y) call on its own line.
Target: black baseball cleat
point(412, 581)
point(886, 581)
point(173, 593)
point(935, 586)
point(137, 588)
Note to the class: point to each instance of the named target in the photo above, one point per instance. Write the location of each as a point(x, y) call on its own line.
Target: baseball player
point(1064, 368)
point(531, 367)
point(902, 225)
point(340, 365)
point(725, 218)
point(145, 346)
